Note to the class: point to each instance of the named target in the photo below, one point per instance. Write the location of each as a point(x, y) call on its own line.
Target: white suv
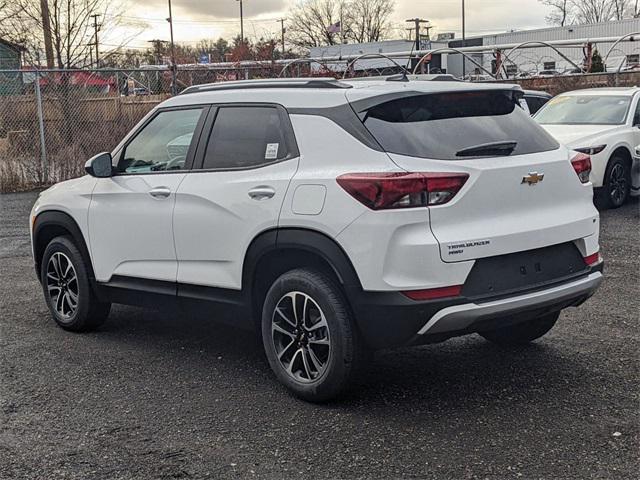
point(605, 124)
point(338, 218)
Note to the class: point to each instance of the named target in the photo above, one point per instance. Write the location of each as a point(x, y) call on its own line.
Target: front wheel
point(523, 332)
point(309, 335)
point(617, 184)
point(65, 282)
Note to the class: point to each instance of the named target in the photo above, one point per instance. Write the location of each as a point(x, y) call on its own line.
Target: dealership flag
point(334, 28)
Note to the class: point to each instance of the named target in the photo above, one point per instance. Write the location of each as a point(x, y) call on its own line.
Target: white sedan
point(605, 124)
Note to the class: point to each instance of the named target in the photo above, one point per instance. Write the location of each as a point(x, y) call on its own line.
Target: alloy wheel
point(617, 184)
point(62, 285)
point(300, 336)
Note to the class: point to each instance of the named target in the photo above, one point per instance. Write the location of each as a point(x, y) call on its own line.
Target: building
point(10, 59)
point(375, 65)
point(529, 60)
point(532, 60)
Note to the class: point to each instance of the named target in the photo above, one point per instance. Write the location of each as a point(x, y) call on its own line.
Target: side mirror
point(99, 166)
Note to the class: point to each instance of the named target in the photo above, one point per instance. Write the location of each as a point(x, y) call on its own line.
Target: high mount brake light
point(582, 165)
point(392, 190)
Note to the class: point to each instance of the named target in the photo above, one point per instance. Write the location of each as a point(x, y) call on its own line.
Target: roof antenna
point(402, 77)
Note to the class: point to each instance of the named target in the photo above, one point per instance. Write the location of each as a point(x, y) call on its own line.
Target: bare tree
point(369, 20)
point(328, 22)
point(566, 12)
point(310, 22)
point(593, 11)
point(72, 30)
point(561, 13)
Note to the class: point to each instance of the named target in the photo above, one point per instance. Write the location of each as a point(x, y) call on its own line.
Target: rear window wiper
point(488, 149)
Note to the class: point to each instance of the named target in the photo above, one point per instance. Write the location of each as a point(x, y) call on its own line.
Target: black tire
point(345, 356)
point(523, 332)
point(616, 185)
point(88, 313)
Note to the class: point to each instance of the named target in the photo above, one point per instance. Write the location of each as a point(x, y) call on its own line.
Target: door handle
point(160, 192)
point(262, 192)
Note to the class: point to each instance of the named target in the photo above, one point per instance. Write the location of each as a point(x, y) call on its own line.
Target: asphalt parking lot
point(156, 395)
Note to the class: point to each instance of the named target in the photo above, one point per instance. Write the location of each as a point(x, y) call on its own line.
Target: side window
point(535, 103)
point(162, 144)
point(245, 137)
point(636, 115)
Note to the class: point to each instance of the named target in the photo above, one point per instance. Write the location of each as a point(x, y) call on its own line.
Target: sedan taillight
point(391, 190)
point(582, 165)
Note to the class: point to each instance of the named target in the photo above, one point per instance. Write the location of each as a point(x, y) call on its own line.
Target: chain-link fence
point(52, 121)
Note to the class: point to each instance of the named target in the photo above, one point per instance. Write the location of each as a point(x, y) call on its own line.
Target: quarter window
point(245, 137)
point(161, 145)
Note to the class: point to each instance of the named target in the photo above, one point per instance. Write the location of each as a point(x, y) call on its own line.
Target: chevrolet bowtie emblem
point(533, 178)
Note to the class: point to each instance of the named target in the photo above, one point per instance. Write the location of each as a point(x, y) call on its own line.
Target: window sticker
point(271, 153)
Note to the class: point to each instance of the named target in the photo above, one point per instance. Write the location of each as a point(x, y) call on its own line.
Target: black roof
point(11, 45)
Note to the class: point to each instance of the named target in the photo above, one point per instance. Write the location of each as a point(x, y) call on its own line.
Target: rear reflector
point(433, 293)
point(582, 165)
point(390, 190)
point(592, 259)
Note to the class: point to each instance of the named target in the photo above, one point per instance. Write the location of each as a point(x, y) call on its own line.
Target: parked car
point(605, 124)
point(534, 100)
point(336, 218)
point(547, 73)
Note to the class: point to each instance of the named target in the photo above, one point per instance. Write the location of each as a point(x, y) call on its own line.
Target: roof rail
point(319, 82)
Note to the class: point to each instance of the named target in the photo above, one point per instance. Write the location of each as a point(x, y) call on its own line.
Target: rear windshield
point(451, 126)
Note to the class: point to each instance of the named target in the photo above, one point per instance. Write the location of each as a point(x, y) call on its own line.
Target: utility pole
point(46, 32)
point(417, 22)
point(241, 23)
point(464, 43)
point(174, 86)
point(283, 30)
point(96, 29)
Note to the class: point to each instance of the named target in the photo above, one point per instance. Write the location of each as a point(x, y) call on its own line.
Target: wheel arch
point(621, 151)
point(276, 251)
point(53, 223)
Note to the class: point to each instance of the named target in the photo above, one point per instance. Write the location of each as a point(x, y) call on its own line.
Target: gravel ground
point(154, 395)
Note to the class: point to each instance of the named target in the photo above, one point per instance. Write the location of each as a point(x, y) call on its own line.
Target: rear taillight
point(592, 259)
point(434, 293)
point(582, 165)
point(389, 190)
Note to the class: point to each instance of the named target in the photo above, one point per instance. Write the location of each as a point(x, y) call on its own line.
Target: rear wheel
point(309, 335)
point(66, 287)
point(523, 332)
point(617, 184)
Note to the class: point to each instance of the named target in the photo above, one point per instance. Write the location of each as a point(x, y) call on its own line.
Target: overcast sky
point(196, 19)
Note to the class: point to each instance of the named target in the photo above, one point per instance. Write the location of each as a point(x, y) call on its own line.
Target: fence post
point(43, 146)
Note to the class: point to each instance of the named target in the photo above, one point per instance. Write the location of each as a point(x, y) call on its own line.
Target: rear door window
point(246, 137)
point(441, 126)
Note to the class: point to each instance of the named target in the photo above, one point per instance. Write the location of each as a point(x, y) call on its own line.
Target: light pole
point(174, 86)
point(241, 23)
point(464, 69)
point(281, 21)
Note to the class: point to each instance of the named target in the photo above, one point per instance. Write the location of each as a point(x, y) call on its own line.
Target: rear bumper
point(461, 317)
point(389, 319)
